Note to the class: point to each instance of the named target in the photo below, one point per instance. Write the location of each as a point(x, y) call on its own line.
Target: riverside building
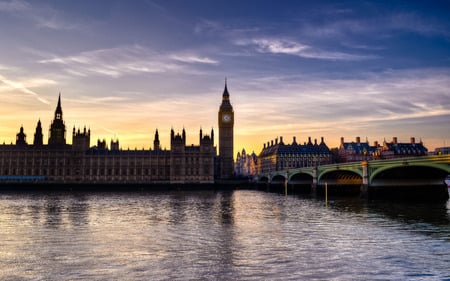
point(276, 155)
point(59, 162)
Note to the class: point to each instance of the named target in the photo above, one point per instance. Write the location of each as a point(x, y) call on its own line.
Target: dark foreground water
point(240, 235)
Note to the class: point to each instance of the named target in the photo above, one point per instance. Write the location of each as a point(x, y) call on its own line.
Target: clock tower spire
point(226, 124)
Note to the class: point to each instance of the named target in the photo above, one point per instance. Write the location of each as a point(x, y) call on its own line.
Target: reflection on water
point(240, 235)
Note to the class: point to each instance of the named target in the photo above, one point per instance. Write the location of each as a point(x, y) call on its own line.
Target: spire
point(212, 135)
point(58, 111)
point(57, 134)
point(225, 94)
point(226, 105)
point(156, 143)
point(59, 100)
point(38, 137)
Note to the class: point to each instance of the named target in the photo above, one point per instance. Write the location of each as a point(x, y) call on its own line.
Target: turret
point(38, 137)
point(156, 144)
point(114, 145)
point(81, 140)
point(21, 138)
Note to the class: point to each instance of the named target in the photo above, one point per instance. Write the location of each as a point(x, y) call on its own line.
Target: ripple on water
point(241, 235)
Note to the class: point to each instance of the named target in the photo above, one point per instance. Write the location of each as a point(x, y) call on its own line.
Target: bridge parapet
point(369, 173)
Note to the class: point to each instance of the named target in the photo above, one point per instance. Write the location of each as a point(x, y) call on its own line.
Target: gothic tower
point(156, 144)
point(21, 138)
point(57, 135)
point(38, 137)
point(226, 123)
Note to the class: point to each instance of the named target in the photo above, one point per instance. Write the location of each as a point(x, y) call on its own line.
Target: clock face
point(226, 118)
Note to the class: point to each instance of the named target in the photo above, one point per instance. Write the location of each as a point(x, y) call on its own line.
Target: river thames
point(206, 235)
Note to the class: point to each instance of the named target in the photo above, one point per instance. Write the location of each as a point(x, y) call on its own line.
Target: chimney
point(276, 141)
point(375, 143)
point(342, 140)
point(394, 140)
point(413, 140)
point(271, 143)
point(321, 140)
point(309, 140)
point(281, 140)
point(264, 145)
point(294, 141)
point(315, 141)
point(358, 139)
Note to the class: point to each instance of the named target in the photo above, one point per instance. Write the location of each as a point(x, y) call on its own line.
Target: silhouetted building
point(21, 138)
point(57, 133)
point(63, 163)
point(276, 155)
point(38, 136)
point(226, 124)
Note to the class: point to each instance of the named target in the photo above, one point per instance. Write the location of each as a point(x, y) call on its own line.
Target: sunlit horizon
point(305, 69)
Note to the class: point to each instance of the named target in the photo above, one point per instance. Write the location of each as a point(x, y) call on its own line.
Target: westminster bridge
point(418, 177)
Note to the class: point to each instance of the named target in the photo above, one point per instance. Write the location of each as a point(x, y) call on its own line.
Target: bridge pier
point(364, 191)
point(314, 181)
point(403, 178)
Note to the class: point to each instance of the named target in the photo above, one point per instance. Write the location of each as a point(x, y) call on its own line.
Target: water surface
point(240, 235)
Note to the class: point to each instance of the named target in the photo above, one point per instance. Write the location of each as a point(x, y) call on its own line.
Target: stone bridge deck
point(423, 175)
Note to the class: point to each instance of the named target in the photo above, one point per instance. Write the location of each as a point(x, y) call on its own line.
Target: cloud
point(290, 47)
point(125, 60)
point(384, 97)
point(14, 6)
point(113, 62)
point(42, 16)
point(24, 86)
point(193, 59)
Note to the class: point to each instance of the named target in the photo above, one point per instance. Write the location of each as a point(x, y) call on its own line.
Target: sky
point(332, 69)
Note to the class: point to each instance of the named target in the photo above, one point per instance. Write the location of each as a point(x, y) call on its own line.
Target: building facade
point(361, 151)
point(356, 150)
point(59, 162)
point(245, 164)
point(276, 155)
point(395, 149)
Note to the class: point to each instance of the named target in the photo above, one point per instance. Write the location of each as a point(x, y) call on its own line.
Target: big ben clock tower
point(226, 123)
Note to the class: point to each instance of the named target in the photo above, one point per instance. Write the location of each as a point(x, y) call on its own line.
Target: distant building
point(360, 151)
point(246, 164)
point(395, 149)
point(276, 155)
point(79, 163)
point(442, 150)
point(356, 151)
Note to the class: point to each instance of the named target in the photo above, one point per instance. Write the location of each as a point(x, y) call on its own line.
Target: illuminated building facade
point(276, 155)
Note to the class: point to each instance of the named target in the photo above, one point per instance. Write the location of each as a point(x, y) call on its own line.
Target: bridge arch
point(410, 174)
point(300, 177)
point(340, 177)
point(278, 179)
point(263, 179)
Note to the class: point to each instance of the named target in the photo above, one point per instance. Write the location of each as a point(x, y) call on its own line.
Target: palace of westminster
point(59, 162)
